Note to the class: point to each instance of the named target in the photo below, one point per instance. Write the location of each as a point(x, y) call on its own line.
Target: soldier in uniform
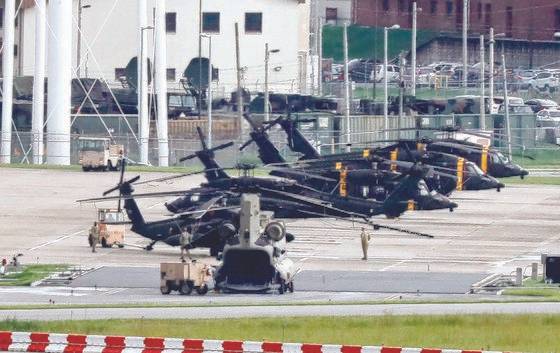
point(93, 236)
point(185, 241)
point(366, 237)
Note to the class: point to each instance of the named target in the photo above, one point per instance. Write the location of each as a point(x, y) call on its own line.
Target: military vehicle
point(97, 153)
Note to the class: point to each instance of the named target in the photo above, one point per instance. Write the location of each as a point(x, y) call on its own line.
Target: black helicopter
point(468, 177)
point(354, 175)
point(440, 180)
point(209, 226)
point(317, 203)
point(488, 159)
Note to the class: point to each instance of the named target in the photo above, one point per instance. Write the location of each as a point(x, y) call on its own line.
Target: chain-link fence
point(329, 134)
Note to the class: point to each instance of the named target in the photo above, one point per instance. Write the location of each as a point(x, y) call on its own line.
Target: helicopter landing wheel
point(202, 290)
point(165, 290)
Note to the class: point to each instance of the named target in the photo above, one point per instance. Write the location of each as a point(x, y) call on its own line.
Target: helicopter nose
point(437, 202)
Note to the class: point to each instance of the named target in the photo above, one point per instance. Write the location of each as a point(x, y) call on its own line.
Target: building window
point(386, 5)
point(402, 6)
point(433, 7)
point(488, 15)
point(211, 22)
point(331, 14)
point(119, 72)
point(253, 22)
point(1, 18)
point(171, 75)
point(449, 8)
point(479, 10)
point(509, 21)
point(557, 20)
point(171, 22)
point(215, 73)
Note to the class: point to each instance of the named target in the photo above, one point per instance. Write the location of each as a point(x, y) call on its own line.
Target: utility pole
point(199, 58)
point(401, 95)
point(8, 83)
point(320, 51)
point(491, 69)
point(413, 54)
point(142, 85)
point(385, 83)
point(209, 91)
point(161, 84)
point(465, 43)
point(482, 123)
point(239, 92)
point(38, 119)
point(266, 98)
point(506, 106)
point(346, 88)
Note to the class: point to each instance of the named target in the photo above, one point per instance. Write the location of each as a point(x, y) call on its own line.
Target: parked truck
point(98, 153)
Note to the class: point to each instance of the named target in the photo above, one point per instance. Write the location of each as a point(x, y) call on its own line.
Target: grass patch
point(29, 274)
point(535, 289)
point(532, 180)
point(534, 333)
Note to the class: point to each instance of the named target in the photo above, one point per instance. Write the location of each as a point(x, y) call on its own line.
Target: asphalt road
point(280, 311)
point(310, 280)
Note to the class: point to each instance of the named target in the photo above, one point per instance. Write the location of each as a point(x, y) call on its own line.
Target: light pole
point(209, 96)
point(346, 87)
point(143, 114)
point(386, 79)
point(267, 53)
point(465, 44)
point(482, 122)
point(491, 60)
point(415, 11)
point(79, 42)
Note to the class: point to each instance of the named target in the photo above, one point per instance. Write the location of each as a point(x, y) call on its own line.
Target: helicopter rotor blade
point(222, 146)
point(202, 139)
point(191, 156)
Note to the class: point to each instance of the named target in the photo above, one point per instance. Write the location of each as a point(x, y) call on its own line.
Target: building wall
point(518, 53)
point(528, 19)
point(110, 38)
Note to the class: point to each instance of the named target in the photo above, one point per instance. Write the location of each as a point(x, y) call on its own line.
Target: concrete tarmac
point(489, 233)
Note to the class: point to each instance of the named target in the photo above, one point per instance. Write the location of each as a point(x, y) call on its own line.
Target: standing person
point(366, 237)
point(93, 236)
point(185, 241)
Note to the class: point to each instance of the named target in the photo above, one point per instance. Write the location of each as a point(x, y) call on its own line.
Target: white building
point(110, 33)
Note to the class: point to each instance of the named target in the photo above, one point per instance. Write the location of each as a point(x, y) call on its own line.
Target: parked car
point(425, 76)
point(544, 81)
point(393, 73)
point(360, 70)
point(539, 104)
point(549, 115)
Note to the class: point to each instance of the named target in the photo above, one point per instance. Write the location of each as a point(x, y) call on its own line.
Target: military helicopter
point(488, 159)
point(208, 224)
point(464, 175)
point(354, 175)
point(256, 261)
point(469, 175)
point(313, 202)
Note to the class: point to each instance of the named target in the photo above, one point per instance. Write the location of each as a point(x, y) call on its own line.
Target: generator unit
point(551, 265)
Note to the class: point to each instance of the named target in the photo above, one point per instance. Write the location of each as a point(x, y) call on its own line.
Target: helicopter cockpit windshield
point(499, 158)
point(474, 169)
